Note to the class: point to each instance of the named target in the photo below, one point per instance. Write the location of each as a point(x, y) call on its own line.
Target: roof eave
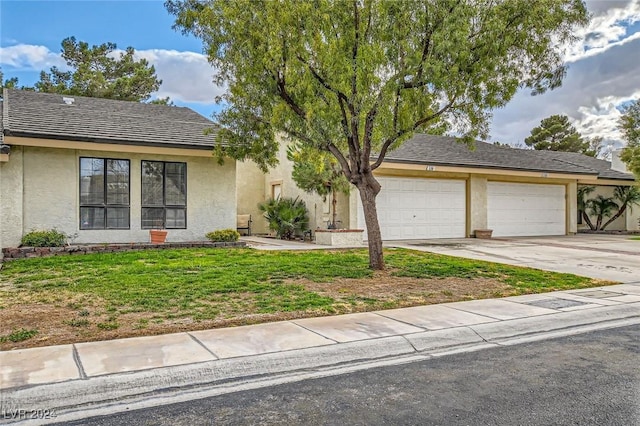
point(477, 166)
point(75, 138)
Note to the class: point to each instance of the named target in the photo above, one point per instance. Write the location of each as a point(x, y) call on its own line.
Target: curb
point(108, 394)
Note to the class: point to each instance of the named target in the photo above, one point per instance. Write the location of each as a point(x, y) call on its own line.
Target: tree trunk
point(614, 217)
point(369, 189)
point(598, 222)
point(334, 202)
point(587, 219)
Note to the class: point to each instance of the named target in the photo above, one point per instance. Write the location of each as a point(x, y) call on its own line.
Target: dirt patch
point(385, 287)
point(64, 318)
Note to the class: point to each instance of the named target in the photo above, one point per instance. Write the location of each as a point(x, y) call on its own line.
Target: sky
point(603, 74)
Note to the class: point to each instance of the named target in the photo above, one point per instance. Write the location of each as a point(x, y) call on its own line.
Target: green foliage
point(163, 101)
point(356, 79)
point(78, 322)
point(601, 207)
point(223, 235)
point(108, 325)
point(287, 216)
point(629, 124)
point(19, 335)
point(583, 191)
point(316, 171)
point(555, 133)
point(10, 83)
point(369, 74)
point(47, 238)
point(97, 72)
point(626, 197)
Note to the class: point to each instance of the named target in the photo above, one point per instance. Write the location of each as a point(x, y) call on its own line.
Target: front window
point(104, 193)
point(164, 195)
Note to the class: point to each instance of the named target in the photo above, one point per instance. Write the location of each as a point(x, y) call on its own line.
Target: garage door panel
point(412, 208)
point(520, 209)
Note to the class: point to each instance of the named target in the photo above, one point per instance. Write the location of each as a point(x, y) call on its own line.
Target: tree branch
point(400, 133)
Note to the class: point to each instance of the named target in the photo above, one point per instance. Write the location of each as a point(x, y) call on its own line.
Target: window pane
point(118, 182)
point(152, 218)
point(176, 218)
point(118, 217)
point(91, 218)
point(176, 184)
point(152, 183)
point(91, 181)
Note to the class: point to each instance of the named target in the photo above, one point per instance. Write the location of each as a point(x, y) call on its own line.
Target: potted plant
point(158, 234)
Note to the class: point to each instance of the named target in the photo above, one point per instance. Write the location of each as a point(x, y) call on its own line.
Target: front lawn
point(98, 296)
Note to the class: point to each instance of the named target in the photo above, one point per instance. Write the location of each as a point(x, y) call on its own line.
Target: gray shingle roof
point(447, 151)
point(45, 115)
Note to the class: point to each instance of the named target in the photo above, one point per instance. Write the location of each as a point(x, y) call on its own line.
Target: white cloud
point(30, 57)
point(603, 73)
point(186, 76)
point(608, 27)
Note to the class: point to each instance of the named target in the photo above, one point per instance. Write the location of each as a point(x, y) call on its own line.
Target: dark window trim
point(164, 205)
point(105, 205)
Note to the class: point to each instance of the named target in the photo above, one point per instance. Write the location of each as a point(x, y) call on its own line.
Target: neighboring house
point(435, 187)
point(106, 171)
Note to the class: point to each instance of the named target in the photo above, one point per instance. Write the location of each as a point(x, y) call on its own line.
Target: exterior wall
point(250, 185)
point(633, 219)
point(319, 212)
point(11, 202)
point(572, 207)
point(51, 196)
point(476, 204)
point(319, 209)
point(619, 224)
point(616, 162)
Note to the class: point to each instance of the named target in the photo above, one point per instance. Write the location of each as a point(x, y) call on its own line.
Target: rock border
point(11, 253)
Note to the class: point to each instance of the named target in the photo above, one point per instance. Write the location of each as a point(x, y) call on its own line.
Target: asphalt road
point(589, 379)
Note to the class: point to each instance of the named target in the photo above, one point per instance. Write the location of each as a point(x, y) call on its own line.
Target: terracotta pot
point(157, 236)
point(483, 233)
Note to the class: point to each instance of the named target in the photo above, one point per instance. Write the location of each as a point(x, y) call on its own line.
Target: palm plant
point(601, 207)
point(627, 197)
point(583, 191)
point(288, 217)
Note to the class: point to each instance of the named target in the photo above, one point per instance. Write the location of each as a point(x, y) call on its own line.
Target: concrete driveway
point(608, 257)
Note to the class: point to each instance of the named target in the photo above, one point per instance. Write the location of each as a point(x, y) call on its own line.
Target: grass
point(635, 238)
point(18, 335)
point(146, 292)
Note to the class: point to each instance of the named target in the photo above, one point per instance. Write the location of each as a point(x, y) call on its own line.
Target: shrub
point(50, 238)
point(223, 236)
point(287, 216)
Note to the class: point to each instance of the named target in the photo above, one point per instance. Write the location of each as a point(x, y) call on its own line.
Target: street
point(588, 379)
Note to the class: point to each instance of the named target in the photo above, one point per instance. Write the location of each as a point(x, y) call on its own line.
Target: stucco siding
point(476, 204)
point(51, 196)
point(319, 209)
point(619, 224)
point(250, 183)
point(11, 202)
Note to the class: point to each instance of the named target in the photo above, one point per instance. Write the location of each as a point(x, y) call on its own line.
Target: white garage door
point(522, 209)
point(419, 208)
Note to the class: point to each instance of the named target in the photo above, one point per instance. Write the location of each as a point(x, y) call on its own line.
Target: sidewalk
point(69, 377)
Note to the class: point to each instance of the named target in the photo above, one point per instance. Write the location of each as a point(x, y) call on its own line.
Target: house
point(436, 187)
point(107, 171)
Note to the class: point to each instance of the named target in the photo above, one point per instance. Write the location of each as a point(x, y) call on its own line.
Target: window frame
point(105, 204)
point(164, 206)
